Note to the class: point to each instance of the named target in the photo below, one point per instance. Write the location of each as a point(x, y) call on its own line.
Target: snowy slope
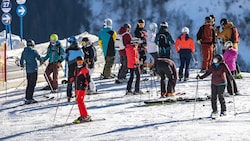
point(126, 117)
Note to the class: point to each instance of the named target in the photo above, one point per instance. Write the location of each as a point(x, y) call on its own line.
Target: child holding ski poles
point(81, 79)
point(219, 71)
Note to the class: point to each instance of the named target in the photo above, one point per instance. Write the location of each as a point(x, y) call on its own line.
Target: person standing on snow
point(167, 68)
point(206, 37)
point(152, 47)
point(133, 65)
point(220, 72)
point(126, 38)
point(55, 54)
point(81, 80)
point(141, 33)
point(72, 52)
point(230, 56)
point(184, 45)
point(29, 56)
point(89, 59)
point(106, 41)
point(226, 34)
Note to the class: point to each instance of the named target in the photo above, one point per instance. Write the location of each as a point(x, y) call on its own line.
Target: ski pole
point(69, 113)
point(47, 79)
point(232, 84)
point(196, 91)
point(57, 107)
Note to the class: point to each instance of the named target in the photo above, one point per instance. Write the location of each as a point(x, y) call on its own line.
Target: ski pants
point(164, 70)
point(123, 69)
point(71, 68)
point(207, 55)
point(31, 83)
point(80, 94)
point(109, 62)
point(185, 57)
point(231, 85)
point(92, 86)
point(52, 68)
point(131, 78)
point(217, 91)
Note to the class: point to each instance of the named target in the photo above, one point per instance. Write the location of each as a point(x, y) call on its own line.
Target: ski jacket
point(206, 34)
point(230, 57)
point(55, 53)
point(126, 39)
point(81, 78)
point(152, 47)
point(106, 41)
point(169, 64)
point(72, 53)
point(30, 55)
point(184, 42)
point(132, 56)
point(226, 34)
point(168, 35)
point(142, 34)
point(89, 55)
point(219, 74)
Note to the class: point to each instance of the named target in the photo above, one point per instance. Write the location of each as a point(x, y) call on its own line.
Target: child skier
point(219, 71)
point(81, 79)
point(133, 65)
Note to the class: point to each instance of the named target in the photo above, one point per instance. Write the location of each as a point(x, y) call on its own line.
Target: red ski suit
point(81, 78)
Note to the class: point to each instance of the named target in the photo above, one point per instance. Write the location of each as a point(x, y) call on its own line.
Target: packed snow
point(127, 118)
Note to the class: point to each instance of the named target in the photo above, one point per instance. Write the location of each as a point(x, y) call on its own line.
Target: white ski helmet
point(185, 30)
point(153, 27)
point(228, 44)
point(107, 23)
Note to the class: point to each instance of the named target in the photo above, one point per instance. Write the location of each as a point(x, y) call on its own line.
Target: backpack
point(207, 34)
point(163, 40)
point(119, 42)
point(235, 36)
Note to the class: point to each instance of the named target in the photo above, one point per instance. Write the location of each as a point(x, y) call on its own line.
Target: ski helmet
point(53, 37)
point(208, 19)
point(185, 30)
point(72, 39)
point(153, 27)
point(141, 21)
point(128, 26)
point(30, 43)
point(223, 21)
point(107, 23)
point(79, 60)
point(164, 24)
point(228, 44)
point(86, 41)
point(218, 58)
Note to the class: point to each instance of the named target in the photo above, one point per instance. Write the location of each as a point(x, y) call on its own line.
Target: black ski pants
point(31, 83)
point(217, 91)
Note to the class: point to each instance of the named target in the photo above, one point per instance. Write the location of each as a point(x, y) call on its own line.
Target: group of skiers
point(148, 48)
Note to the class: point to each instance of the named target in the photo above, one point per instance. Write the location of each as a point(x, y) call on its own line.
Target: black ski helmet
point(78, 58)
point(127, 26)
point(30, 43)
point(223, 21)
point(141, 21)
point(208, 19)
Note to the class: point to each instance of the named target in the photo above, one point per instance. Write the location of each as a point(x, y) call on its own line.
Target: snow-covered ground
point(127, 118)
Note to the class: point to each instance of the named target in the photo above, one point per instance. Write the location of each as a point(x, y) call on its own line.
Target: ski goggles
point(141, 24)
point(53, 42)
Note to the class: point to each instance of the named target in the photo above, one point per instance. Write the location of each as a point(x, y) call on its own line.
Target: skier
point(206, 37)
point(141, 33)
point(55, 54)
point(106, 41)
point(81, 79)
point(126, 38)
point(89, 55)
point(184, 45)
point(164, 40)
point(152, 47)
point(29, 56)
point(230, 56)
point(133, 66)
point(166, 68)
point(72, 52)
point(219, 71)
